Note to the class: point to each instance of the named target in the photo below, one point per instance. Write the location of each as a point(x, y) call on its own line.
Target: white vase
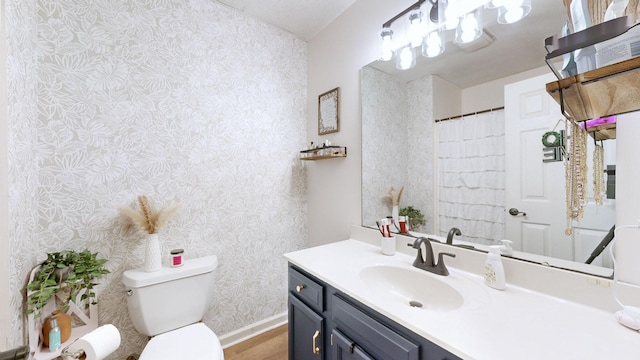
point(152, 254)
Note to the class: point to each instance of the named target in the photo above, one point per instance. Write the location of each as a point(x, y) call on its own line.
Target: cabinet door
point(345, 349)
point(306, 332)
point(373, 336)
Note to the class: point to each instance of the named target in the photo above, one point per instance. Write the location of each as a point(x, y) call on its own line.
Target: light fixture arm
point(433, 14)
point(412, 7)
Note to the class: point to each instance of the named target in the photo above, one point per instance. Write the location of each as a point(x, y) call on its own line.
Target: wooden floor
point(271, 345)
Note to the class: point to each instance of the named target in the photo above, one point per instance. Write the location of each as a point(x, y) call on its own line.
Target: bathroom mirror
point(516, 48)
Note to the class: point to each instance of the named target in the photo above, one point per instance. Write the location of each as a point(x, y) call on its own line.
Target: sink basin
point(415, 288)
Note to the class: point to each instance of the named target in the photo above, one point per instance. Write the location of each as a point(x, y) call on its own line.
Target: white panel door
point(534, 187)
point(537, 188)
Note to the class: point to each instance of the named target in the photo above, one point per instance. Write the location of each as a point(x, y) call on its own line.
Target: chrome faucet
point(453, 231)
point(427, 263)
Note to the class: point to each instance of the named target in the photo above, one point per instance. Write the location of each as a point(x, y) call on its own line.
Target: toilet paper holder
point(96, 345)
point(73, 355)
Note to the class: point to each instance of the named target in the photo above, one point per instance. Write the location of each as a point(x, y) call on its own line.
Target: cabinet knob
point(299, 288)
point(316, 349)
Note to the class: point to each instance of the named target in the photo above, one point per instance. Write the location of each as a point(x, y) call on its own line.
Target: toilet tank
point(170, 298)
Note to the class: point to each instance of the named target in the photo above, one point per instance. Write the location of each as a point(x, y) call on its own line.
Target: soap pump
point(493, 269)
point(505, 248)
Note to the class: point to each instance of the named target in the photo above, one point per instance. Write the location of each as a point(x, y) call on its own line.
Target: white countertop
point(516, 323)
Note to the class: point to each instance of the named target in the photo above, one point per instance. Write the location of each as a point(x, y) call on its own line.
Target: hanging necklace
point(576, 174)
point(598, 173)
point(568, 176)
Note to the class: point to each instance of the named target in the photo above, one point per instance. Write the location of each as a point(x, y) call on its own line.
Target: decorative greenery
point(147, 220)
point(68, 273)
point(554, 135)
point(416, 218)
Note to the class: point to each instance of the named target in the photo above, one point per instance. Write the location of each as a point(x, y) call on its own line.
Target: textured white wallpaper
point(184, 101)
point(397, 144)
point(384, 151)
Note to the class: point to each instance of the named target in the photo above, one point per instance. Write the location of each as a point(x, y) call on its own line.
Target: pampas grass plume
point(147, 220)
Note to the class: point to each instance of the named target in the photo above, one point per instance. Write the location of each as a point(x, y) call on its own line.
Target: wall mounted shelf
point(601, 92)
point(323, 153)
point(606, 91)
point(603, 132)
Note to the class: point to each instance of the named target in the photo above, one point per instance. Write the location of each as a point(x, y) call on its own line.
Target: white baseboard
point(252, 330)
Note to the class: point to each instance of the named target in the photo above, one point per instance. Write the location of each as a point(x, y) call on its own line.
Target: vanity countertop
point(516, 323)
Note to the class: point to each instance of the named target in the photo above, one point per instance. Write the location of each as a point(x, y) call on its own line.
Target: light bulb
point(513, 10)
point(469, 23)
point(415, 27)
point(469, 28)
point(452, 15)
point(386, 52)
point(432, 45)
point(406, 58)
point(513, 15)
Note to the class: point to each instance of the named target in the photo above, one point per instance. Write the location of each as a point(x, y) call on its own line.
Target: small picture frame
point(329, 112)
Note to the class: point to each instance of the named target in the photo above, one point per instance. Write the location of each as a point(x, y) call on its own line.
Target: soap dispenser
point(493, 269)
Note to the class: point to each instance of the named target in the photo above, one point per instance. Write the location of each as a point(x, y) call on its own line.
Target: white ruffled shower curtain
point(471, 176)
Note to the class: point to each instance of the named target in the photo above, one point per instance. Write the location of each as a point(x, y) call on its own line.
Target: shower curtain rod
point(469, 114)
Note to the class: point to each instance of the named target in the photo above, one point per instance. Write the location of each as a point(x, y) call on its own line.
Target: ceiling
point(517, 47)
point(303, 18)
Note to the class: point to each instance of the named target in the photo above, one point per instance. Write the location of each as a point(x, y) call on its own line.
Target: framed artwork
point(329, 112)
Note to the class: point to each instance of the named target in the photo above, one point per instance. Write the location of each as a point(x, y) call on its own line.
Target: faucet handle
point(441, 268)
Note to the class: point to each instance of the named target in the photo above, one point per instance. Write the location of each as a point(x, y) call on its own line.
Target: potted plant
point(67, 273)
point(416, 218)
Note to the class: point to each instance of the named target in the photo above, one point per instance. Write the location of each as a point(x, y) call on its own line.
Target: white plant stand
point(87, 319)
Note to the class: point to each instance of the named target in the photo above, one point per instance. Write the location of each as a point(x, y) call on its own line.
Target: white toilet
point(168, 306)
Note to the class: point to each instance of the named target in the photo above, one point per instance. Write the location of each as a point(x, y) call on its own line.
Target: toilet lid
point(193, 342)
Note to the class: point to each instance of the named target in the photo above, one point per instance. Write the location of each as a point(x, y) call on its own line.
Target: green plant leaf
point(83, 268)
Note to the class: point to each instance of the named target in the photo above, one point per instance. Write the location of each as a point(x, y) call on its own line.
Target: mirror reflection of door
point(538, 189)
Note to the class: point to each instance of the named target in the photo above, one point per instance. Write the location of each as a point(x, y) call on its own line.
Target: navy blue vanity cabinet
point(306, 321)
point(326, 324)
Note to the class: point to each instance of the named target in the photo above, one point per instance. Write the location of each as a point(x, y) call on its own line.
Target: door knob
point(516, 212)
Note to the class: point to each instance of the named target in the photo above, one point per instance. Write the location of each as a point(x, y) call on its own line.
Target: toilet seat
point(192, 342)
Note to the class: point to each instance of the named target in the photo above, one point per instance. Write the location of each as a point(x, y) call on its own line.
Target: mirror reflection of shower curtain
point(470, 169)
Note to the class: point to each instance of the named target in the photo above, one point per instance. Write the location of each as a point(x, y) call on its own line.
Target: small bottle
point(54, 336)
point(493, 269)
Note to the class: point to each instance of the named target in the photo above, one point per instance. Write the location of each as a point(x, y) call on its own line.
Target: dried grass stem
point(147, 220)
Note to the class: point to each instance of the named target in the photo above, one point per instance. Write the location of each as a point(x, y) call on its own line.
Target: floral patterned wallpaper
point(188, 102)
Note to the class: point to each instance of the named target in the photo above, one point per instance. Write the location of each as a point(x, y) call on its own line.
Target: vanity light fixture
point(428, 32)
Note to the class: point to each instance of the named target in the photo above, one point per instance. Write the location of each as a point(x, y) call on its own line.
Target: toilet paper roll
point(99, 343)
